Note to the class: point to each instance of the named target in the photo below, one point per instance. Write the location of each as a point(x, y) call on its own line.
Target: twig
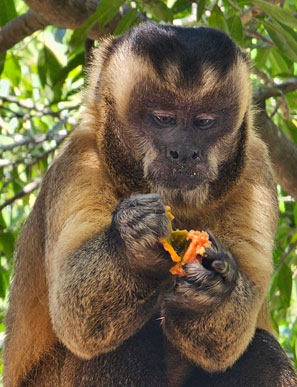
point(254, 34)
point(262, 76)
point(34, 139)
point(275, 90)
point(25, 191)
point(285, 256)
point(36, 160)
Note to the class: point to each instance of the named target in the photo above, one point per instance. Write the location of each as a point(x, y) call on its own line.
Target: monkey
point(167, 120)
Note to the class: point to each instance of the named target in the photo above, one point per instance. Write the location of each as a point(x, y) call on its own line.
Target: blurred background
point(45, 48)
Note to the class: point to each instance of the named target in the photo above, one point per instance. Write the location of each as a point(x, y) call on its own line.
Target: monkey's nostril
point(174, 154)
point(195, 156)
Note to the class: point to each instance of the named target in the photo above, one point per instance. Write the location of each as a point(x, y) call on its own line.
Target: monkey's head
point(174, 103)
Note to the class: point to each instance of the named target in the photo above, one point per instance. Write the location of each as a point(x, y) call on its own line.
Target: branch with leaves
point(63, 14)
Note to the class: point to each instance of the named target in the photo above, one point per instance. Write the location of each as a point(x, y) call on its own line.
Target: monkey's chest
point(139, 361)
point(142, 361)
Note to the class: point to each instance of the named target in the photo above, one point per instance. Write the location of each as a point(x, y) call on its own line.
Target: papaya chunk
point(184, 246)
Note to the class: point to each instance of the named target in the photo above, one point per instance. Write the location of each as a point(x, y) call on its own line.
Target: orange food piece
point(195, 250)
point(178, 270)
point(199, 242)
point(168, 247)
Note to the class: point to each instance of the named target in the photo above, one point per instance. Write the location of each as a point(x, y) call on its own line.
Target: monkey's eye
point(204, 122)
point(164, 119)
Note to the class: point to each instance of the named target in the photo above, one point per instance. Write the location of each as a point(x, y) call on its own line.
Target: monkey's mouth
point(177, 178)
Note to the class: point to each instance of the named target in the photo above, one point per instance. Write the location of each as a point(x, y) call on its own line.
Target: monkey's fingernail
point(218, 266)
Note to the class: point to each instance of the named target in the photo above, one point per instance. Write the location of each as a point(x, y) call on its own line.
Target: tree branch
point(25, 191)
point(275, 90)
point(283, 153)
point(69, 14)
point(19, 28)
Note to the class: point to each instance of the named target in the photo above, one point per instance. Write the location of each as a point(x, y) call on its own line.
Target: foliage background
point(40, 98)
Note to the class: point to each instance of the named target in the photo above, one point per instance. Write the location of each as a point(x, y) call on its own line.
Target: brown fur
point(66, 308)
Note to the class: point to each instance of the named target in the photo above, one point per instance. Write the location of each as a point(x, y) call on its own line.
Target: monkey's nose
point(183, 156)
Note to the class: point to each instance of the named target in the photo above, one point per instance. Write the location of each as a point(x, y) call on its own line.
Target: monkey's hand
point(210, 282)
point(141, 221)
point(206, 315)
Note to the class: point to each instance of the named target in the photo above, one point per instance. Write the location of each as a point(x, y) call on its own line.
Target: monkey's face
point(178, 139)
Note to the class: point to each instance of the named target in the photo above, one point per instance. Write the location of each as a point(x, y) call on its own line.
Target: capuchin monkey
point(168, 120)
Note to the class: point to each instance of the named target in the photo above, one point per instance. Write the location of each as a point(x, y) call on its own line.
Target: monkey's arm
point(104, 273)
point(212, 313)
point(97, 301)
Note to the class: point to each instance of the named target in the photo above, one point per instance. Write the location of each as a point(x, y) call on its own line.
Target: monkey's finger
point(214, 242)
point(219, 266)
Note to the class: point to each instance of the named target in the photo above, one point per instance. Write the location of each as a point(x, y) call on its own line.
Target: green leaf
point(41, 67)
point(5, 140)
point(126, 22)
point(2, 222)
point(2, 62)
point(104, 13)
point(12, 70)
point(160, 11)
point(281, 14)
point(53, 65)
point(282, 38)
point(217, 19)
point(181, 8)
point(295, 214)
point(7, 243)
point(4, 281)
point(8, 11)
point(235, 28)
point(279, 62)
point(200, 9)
point(261, 58)
point(284, 281)
point(76, 61)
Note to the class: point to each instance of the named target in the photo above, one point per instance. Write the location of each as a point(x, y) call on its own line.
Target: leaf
point(282, 38)
point(2, 62)
point(181, 8)
point(281, 14)
point(54, 67)
point(284, 281)
point(2, 222)
point(5, 140)
point(7, 243)
point(126, 22)
point(3, 283)
point(8, 11)
point(160, 11)
point(200, 9)
point(104, 13)
point(12, 70)
point(217, 19)
point(76, 61)
point(295, 214)
point(279, 62)
point(235, 28)
point(261, 58)
point(41, 67)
